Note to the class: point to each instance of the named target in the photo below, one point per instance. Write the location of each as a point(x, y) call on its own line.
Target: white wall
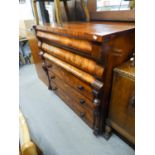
point(25, 11)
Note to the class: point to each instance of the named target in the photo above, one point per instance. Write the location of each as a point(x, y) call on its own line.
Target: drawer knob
point(82, 101)
point(52, 77)
point(96, 102)
point(80, 87)
point(82, 114)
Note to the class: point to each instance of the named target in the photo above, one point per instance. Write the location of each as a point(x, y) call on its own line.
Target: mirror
point(115, 5)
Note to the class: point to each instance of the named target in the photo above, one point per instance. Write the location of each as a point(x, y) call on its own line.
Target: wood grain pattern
point(116, 51)
point(71, 42)
point(93, 31)
point(112, 43)
point(73, 101)
point(126, 69)
point(33, 43)
point(78, 97)
point(34, 5)
point(122, 107)
point(78, 73)
point(27, 146)
point(80, 62)
point(58, 11)
point(71, 80)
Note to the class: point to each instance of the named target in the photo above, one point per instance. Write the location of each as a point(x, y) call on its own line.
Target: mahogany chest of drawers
point(78, 59)
point(121, 115)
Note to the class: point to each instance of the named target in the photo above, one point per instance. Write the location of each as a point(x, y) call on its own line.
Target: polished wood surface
point(27, 146)
point(75, 71)
point(91, 106)
point(93, 31)
point(92, 50)
point(127, 69)
point(33, 43)
point(121, 115)
point(116, 51)
point(102, 47)
point(58, 11)
point(80, 62)
point(34, 6)
point(71, 80)
point(37, 60)
point(78, 97)
point(85, 46)
point(25, 136)
point(82, 109)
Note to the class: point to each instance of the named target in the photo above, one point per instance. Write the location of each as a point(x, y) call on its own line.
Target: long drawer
point(84, 76)
point(81, 99)
point(71, 80)
point(83, 46)
point(80, 62)
point(80, 104)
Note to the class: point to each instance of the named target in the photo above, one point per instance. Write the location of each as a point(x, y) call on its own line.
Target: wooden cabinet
point(33, 43)
point(78, 59)
point(121, 115)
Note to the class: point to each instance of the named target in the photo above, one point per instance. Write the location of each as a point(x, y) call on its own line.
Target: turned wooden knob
point(96, 102)
point(82, 114)
point(52, 77)
point(132, 60)
point(80, 87)
point(82, 101)
point(41, 53)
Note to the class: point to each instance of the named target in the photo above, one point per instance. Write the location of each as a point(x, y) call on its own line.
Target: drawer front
point(71, 80)
point(85, 77)
point(85, 64)
point(78, 97)
point(83, 46)
point(76, 101)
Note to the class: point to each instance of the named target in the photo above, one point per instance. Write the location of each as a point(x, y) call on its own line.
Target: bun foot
point(96, 132)
point(107, 133)
point(49, 88)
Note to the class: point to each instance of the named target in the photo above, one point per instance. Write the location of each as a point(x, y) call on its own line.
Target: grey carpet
point(55, 128)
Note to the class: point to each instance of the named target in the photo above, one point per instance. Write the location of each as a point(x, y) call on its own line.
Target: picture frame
point(118, 15)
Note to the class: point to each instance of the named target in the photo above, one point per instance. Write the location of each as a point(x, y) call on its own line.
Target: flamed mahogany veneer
point(78, 59)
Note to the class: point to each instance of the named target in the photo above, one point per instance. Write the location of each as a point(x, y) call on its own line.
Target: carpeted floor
point(55, 128)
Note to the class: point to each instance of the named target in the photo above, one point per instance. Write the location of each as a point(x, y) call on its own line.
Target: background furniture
point(27, 147)
point(78, 60)
point(22, 58)
point(122, 106)
point(57, 10)
point(25, 55)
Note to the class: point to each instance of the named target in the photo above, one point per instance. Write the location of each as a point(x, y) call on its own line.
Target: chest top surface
point(93, 31)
